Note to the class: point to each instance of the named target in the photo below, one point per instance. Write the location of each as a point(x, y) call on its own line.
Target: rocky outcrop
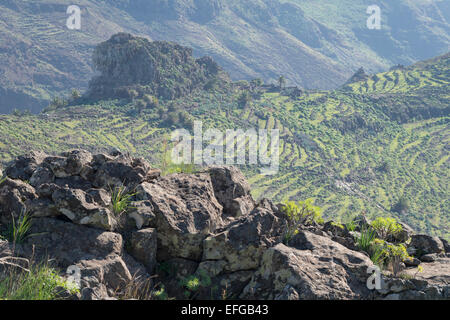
point(158, 68)
point(204, 226)
point(315, 267)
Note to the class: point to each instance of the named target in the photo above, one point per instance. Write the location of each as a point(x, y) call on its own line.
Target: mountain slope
point(380, 145)
point(41, 58)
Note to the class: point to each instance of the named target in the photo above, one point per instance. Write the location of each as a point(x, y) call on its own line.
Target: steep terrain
point(379, 145)
point(41, 58)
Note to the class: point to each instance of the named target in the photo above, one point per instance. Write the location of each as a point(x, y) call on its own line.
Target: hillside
point(42, 59)
point(379, 145)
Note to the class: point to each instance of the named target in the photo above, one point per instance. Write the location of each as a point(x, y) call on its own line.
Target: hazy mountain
point(314, 44)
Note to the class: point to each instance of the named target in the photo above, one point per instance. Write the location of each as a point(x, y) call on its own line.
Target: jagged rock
point(186, 211)
point(103, 277)
point(15, 196)
point(68, 243)
point(423, 244)
point(42, 175)
point(24, 166)
point(413, 262)
point(361, 222)
point(123, 170)
point(243, 242)
point(231, 190)
point(143, 247)
point(81, 208)
point(141, 213)
point(430, 257)
point(335, 229)
point(403, 235)
point(69, 163)
point(321, 269)
point(446, 245)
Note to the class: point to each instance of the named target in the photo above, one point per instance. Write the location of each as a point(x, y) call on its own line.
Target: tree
point(75, 94)
point(282, 82)
point(244, 99)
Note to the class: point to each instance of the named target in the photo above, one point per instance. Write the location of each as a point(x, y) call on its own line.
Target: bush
point(386, 227)
point(395, 255)
point(300, 213)
point(120, 200)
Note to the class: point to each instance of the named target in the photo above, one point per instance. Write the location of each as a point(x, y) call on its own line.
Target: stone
point(423, 244)
point(231, 190)
point(185, 210)
point(23, 167)
point(322, 270)
point(123, 170)
point(81, 208)
point(243, 242)
point(143, 246)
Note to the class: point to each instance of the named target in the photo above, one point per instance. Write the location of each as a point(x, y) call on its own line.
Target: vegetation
point(121, 200)
point(386, 227)
point(298, 214)
point(40, 282)
point(360, 148)
point(19, 230)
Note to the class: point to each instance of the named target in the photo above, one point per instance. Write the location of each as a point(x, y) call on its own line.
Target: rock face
point(128, 62)
point(316, 268)
point(204, 226)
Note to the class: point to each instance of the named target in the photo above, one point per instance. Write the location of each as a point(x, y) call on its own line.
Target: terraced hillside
point(379, 146)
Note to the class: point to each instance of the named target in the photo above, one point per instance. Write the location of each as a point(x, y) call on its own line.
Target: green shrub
point(386, 227)
point(300, 213)
point(395, 255)
point(193, 283)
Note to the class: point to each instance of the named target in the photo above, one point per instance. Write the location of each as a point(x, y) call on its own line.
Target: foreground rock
point(314, 268)
point(203, 228)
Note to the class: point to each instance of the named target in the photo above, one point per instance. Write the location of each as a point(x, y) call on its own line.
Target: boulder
point(42, 175)
point(81, 208)
point(321, 269)
point(185, 210)
point(231, 190)
point(143, 247)
point(15, 196)
point(422, 244)
point(69, 163)
point(122, 170)
point(23, 167)
point(141, 213)
point(242, 243)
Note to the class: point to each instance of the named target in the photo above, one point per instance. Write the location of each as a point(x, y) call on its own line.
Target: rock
point(42, 175)
point(69, 163)
point(24, 166)
point(430, 257)
point(68, 243)
point(243, 242)
point(322, 270)
point(446, 245)
point(81, 208)
point(403, 235)
point(413, 262)
point(423, 244)
point(336, 229)
point(185, 210)
point(141, 213)
point(143, 247)
point(15, 196)
point(123, 170)
point(361, 222)
point(105, 277)
point(231, 190)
